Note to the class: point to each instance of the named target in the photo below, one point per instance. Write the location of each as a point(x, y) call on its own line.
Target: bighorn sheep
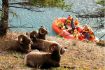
point(44, 59)
point(22, 45)
point(43, 45)
point(42, 33)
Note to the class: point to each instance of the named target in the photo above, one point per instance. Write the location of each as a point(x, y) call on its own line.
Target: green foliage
point(50, 3)
point(101, 2)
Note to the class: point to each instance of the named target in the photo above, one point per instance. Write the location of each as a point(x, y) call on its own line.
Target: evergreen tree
point(4, 18)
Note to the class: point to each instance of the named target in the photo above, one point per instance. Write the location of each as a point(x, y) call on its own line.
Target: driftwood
point(101, 43)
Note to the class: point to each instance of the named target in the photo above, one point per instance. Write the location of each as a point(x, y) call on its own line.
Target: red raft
point(64, 33)
point(59, 31)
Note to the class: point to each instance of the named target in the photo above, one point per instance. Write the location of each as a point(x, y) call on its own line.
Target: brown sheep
point(44, 45)
point(44, 59)
point(42, 32)
point(22, 45)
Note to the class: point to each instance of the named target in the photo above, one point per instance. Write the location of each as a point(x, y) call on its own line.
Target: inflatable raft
point(64, 33)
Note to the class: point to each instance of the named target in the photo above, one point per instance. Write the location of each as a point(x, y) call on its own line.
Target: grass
point(79, 55)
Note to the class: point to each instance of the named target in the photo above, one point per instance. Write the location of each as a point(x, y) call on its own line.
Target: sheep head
point(42, 32)
point(25, 43)
point(33, 35)
point(55, 50)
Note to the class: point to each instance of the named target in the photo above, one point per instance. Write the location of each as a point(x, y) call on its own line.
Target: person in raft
point(71, 25)
point(88, 33)
point(67, 22)
point(60, 25)
point(77, 26)
point(76, 34)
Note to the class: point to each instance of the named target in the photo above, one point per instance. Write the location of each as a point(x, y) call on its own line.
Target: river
point(45, 16)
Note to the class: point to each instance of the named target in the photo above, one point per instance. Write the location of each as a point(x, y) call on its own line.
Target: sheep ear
point(20, 39)
point(34, 35)
point(53, 46)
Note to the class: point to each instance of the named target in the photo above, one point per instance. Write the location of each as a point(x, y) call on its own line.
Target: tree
point(4, 18)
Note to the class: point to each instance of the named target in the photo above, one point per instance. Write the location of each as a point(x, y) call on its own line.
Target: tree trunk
point(4, 18)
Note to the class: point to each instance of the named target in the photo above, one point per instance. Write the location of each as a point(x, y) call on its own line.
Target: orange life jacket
point(69, 18)
point(76, 22)
point(86, 30)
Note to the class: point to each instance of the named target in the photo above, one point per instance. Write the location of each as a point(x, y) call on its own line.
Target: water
point(45, 16)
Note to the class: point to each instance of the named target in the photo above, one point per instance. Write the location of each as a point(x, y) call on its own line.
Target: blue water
point(34, 19)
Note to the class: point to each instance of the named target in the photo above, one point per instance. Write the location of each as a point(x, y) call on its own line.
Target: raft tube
point(61, 32)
